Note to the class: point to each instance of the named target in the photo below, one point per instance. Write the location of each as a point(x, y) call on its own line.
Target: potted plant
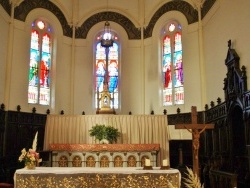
point(112, 134)
point(105, 134)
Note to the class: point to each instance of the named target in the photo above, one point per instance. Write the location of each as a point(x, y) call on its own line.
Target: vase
point(30, 165)
point(104, 141)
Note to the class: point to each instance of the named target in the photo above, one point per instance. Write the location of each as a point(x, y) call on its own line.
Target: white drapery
point(135, 129)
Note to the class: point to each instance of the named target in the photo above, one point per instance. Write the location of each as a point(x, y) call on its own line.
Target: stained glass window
point(40, 63)
point(172, 65)
point(113, 71)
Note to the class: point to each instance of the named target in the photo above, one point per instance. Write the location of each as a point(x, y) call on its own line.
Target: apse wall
point(153, 58)
point(228, 20)
point(3, 49)
point(140, 70)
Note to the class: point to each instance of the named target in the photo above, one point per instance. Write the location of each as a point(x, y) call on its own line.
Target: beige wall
point(3, 49)
point(228, 20)
point(140, 67)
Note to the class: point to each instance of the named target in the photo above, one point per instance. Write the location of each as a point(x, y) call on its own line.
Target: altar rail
point(103, 155)
point(222, 179)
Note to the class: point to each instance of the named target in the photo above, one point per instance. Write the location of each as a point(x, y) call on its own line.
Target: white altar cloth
point(76, 170)
point(96, 177)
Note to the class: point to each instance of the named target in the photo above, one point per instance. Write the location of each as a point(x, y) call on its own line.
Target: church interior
point(142, 66)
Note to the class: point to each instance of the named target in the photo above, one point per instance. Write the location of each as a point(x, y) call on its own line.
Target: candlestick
point(165, 162)
point(165, 165)
point(147, 162)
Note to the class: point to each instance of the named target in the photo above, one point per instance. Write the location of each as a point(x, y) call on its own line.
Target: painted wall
point(3, 49)
point(228, 20)
point(140, 63)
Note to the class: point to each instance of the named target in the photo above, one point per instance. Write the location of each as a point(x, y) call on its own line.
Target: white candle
point(147, 162)
point(165, 162)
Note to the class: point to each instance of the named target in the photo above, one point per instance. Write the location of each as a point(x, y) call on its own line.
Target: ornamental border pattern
point(91, 180)
point(104, 147)
point(132, 31)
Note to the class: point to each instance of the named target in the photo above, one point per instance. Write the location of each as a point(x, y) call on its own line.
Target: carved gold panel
point(118, 162)
point(131, 161)
point(63, 161)
point(77, 161)
point(90, 162)
point(104, 161)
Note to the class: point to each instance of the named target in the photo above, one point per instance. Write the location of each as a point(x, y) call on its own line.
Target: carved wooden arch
point(26, 6)
point(132, 31)
point(235, 84)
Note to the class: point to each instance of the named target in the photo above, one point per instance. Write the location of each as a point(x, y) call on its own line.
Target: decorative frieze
point(103, 155)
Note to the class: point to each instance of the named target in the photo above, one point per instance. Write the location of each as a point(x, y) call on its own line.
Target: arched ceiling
point(191, 14)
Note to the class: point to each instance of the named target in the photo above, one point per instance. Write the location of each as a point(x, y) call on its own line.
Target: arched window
point(40, 63)
point(172, 65)
point(113, 70)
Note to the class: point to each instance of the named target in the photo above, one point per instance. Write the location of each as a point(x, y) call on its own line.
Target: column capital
point(198, 4)
point(75, 14)
point(15, 3)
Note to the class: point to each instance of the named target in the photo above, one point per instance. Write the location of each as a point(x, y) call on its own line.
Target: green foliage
point(98, 131)
point(105, 132)
point(112, 134)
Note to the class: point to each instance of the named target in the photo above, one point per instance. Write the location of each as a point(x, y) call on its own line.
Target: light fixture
point(106, 42)
point(107, 38)
point(40, 24)
point(106, 99)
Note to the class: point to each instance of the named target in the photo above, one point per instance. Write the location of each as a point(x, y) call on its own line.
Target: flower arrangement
point(105, 134)
point(30, 157)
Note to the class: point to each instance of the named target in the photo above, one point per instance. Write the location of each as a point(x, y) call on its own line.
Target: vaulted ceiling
point(187, 9)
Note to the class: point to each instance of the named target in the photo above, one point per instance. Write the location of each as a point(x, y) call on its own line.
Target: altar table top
point(88, 177)
point(104, 147)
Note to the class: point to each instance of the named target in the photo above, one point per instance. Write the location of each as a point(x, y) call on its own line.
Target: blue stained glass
point(40, 65)
point(113, 75)
point(113, 72)
point(33, 71)
point(172, 66)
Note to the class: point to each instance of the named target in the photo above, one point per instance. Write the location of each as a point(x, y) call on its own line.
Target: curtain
point(135, 129)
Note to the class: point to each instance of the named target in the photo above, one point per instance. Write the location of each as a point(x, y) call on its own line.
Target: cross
point(196, 129)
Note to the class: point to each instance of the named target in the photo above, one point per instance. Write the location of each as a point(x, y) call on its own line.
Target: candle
point(147, 162)
point(165, 162)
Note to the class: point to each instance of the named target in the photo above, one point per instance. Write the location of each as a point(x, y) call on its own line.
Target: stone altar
point(103, 155)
